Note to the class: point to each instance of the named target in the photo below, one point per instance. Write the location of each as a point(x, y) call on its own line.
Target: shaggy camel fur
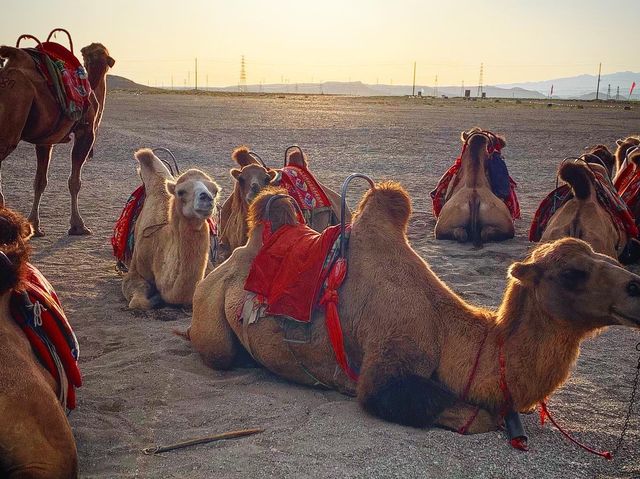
point(29, 112)
point(605, 155)
point(250, 179)
point(583, 216)
point(35, 437)
point(472, 212)
point(413, 340)
point(621, 151)
point(171, 235)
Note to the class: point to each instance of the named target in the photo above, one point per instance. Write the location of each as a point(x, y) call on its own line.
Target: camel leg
point(43, 155)
point(138, 292)
point(82, 144)
point(462, 414)
point(210, 332)
point(495, 233)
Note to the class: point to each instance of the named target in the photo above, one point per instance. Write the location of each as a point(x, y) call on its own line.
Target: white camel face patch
point(201, 203)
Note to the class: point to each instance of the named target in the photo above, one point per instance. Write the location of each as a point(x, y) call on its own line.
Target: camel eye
point(572, 277)
point(180, 193)
point(267, 180)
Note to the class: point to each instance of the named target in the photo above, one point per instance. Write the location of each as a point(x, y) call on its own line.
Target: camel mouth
point(204, 212)
point(623, 318)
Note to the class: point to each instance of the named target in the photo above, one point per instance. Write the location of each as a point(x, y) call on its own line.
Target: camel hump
point(282, 210)
point(150, 163)
point(242, 156)
point(389, 200)
point(297, 157)
point(577, 175)
point(15, 231)
point(16, 57)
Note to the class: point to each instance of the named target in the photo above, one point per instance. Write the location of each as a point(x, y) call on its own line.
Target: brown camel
point(604, 155)
point(472, 212)
point(583, 216)
point(35, 436)
point(623, 145)
point(171, 235)
point(30, 112)
point(413, 340)
point(250, 179)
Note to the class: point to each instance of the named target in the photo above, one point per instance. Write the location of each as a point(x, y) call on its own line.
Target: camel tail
point(182, 334)
point(474, 219)
point(578, 177)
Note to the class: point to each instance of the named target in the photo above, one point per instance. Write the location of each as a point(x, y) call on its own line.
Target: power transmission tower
point(609, 92)
point(242, 85)
point(480, 81)
point(618, 93)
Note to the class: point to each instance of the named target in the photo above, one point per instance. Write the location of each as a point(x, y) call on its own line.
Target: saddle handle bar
point(292, 147)
point(343, 205)
point(27, 37)
point(267, 212)
point(175, 161)
point(53, 32)
point(583, 159)
point(257, 157)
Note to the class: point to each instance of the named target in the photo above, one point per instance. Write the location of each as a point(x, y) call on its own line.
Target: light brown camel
point(29, 112)
point(583, 216)
point(471, 211)
point(171, 235)
point(250, 179)
point(605, 156)
point(413, 340)
point(35, 436)
point(623, 145)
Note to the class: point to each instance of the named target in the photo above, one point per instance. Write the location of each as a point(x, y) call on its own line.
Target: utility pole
point(172, 81)
point(598, 88)
point(413, 91)
point(618, 93)
point(462, 90)
point(480, 81)
point(196, 73)
point(435, 90)
point(609, 92)
point(242, 85)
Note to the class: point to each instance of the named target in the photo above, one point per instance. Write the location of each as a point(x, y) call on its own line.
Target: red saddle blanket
point(123, 238)
point(301, 185)
point(289, 271)
point(628, 185)
point(67, 78)
point(607, 196)
point(439, 194)
point(39, 314)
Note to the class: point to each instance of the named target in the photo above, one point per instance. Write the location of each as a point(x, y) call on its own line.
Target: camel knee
point(471, 418)
point(460, 234)
point(74, 185)
point(410, 400)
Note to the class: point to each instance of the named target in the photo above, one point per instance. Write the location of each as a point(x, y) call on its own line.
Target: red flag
point(633, 85)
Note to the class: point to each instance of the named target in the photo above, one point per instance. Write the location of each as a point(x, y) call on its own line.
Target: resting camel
point(583, 216)
point(250, 179)
point(623, 145)
point(604, 155)
point(171, 235)
point(413, 340)
point(35, 437)
point(29, 112)
point(472, 211)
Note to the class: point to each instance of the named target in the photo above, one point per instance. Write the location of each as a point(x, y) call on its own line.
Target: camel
point(424, 355)
point(35, 436)
point(603, 156)
point(583, 216)
point(623, 145)
point(171, 235)
point(250, 179)
point(30, 112)
point(472, 211)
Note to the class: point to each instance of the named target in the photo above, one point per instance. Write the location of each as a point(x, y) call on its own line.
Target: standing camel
point(424, 355)
point(472, 212)
point(35, 436)
point(171, 235)
point(29, 112)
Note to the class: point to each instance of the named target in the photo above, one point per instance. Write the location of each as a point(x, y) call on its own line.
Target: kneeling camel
point(412, 339)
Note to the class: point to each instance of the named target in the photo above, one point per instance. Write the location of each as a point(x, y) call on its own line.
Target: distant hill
point(115, 82)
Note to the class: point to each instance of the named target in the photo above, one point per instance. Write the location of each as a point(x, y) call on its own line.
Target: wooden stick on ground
point(202, 440)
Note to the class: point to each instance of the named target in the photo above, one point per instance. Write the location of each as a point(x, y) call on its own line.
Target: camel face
point(252, 179)
point(581, 288)
point(96, 53)
point(195, 196)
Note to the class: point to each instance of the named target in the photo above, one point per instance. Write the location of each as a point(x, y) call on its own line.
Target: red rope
point(504, 387)
point(544, 412)
point(467, 425)
point(472, 375)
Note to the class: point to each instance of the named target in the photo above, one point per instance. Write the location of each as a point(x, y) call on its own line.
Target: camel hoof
point(38, 233)
point(79, 230)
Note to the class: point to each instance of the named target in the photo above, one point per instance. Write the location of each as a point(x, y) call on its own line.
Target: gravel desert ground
point(144, 386)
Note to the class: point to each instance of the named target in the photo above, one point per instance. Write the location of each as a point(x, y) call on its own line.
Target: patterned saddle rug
point(607, 196)
point(296, 271)
point(304, 188)
point(123, 237)
point(502, 185)
point(65, 75)
point(39, 314)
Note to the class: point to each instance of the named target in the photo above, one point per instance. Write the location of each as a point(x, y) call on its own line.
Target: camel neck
point(473, 168)
point(5, 299)
point(98, 81)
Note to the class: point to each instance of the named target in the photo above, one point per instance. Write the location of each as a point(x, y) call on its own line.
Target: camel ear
point(171, 187)
point(27, 231)
point(213, 188)
point(463, 136)
point(235, 174)
point(619, 141)
point(525, 273)
point(272, 174)
point(110, 62)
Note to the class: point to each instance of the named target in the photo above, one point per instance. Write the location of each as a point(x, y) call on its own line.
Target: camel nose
point(255, 188)
point(206, 196)
point(633, 289)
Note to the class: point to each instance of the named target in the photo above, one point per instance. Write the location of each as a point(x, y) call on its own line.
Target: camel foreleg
point(467, 419)
point(139, 292)
point(83, 142)
point(43, 155)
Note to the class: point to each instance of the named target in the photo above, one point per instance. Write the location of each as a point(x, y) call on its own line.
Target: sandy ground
point(144, 386)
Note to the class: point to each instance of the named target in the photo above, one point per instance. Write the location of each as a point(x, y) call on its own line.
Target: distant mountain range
point(581, 87)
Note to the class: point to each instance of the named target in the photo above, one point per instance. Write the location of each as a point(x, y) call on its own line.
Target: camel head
point(15, 231)
point(195, 194)
point(479, 144)
point(251, 177)
point(602, 153)
point(493, 141)
point(282, 210)
point(96, 56)
point(577, 288)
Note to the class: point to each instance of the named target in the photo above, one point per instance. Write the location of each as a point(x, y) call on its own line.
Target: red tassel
point(519, 443)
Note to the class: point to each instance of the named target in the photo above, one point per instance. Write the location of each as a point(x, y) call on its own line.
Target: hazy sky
point(322, 40)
